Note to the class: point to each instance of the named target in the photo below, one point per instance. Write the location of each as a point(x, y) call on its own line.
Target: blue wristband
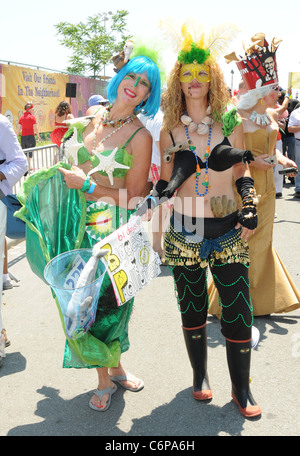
point(153, 199)
point(92, 188)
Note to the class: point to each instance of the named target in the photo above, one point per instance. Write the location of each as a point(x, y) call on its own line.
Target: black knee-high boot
point(196, 344)
point(238, 358)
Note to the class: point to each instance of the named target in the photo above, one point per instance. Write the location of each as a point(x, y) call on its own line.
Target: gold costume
point(271, 288)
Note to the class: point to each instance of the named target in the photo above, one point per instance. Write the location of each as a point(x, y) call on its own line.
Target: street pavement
point(40, 398)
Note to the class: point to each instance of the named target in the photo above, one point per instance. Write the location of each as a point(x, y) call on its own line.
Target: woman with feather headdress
point(202, 140)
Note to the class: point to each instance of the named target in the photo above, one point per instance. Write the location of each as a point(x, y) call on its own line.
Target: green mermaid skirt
point(58, 220)
point(108, 336)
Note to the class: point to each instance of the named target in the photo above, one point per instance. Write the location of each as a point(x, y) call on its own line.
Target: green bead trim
point(193, 305)
point(192, 293)
point(233, 283)
point(239, 315)
point(203, 271)
point(240, 293)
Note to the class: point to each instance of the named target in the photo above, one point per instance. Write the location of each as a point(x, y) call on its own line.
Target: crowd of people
point(213, 162)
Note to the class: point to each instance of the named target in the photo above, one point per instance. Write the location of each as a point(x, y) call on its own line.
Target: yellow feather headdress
point(191, 37)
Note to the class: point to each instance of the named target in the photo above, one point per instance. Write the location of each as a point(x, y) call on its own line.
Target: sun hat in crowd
point(96, 99)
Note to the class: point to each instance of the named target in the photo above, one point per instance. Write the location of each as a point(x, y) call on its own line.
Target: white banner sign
point(132, 262)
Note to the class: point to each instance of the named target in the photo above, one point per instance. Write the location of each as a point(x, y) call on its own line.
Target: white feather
point(219, 37)
point(172, 32)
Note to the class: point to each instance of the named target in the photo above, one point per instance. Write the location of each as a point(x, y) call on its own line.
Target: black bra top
point(222, 157)
point(214, 156)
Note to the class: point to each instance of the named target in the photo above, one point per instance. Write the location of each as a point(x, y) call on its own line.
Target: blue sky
point(27, 33)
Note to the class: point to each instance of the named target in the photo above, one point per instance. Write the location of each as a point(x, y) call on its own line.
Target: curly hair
point(63, 108)
point(173, 100)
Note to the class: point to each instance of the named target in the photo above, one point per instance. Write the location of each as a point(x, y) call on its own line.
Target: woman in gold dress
point(271, 287)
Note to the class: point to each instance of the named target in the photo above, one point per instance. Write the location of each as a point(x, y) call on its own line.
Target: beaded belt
point(181, 250)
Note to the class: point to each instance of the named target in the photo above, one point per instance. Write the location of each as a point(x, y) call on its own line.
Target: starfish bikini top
point(122, 156)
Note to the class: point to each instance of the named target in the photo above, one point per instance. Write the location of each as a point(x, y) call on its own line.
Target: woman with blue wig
point(76, 203)
point(139, 65)
point(113, 168)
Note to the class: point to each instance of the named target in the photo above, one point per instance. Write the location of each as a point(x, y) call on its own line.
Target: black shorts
point(27, 142)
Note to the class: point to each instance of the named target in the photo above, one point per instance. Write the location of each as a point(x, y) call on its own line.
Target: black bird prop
point(222, 157)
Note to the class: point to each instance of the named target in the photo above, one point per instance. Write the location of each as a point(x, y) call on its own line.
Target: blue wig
point(139, 65)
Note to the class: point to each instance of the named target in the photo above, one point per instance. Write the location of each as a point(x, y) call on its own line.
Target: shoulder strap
point(100, 107)
point(131, 137)
point(172, 137)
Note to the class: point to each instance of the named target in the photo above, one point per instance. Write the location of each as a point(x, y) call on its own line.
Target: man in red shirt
point(28, 128)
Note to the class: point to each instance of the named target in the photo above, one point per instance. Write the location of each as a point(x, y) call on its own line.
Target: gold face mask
point(192, 71)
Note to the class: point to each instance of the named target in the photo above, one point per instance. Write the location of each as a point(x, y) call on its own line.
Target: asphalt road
point(40, 398)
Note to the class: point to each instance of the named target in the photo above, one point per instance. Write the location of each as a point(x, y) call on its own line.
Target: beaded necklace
point(198, 169)
point(120, 123)
point(106, 122)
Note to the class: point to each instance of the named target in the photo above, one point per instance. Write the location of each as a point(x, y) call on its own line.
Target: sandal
point(7, 342)
point(120, 378)
point(100, 394)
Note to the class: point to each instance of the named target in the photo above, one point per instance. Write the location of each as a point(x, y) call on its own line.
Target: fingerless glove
point(247, 217)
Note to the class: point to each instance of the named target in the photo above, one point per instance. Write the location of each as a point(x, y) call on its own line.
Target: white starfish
point(108, 164)
point(71, 148)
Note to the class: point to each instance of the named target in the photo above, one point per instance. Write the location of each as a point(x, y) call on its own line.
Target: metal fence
point(42, 157)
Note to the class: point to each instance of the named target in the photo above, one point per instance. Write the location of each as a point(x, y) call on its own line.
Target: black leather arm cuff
point(248, 215)
point(244, 186)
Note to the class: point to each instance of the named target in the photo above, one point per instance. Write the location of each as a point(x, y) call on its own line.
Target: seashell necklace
point(203, 127)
